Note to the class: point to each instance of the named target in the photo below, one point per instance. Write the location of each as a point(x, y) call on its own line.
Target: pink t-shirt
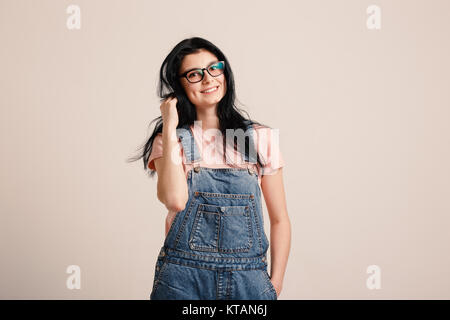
point(211, 150)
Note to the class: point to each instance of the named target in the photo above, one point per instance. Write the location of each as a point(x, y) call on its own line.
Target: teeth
point(212, 89)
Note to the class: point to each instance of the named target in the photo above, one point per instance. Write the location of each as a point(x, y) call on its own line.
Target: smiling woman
point(204, 86)
point(215, 245)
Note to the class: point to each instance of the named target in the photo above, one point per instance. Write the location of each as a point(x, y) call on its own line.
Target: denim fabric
point(216, 247)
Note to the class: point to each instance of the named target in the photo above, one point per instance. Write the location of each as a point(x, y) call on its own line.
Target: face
point(194, 91)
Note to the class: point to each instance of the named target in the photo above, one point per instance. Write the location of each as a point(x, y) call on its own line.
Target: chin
point(207, 100)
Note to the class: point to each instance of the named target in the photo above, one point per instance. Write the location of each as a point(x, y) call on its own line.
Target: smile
point(210, 90)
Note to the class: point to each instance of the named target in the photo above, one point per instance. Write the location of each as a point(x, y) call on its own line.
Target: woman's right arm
point(172, 189)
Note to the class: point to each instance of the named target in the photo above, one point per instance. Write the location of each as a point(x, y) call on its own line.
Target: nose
point(207, 77)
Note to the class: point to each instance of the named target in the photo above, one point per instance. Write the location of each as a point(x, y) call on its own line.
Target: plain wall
point(364, 130)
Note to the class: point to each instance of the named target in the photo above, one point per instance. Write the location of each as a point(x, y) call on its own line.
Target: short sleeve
point(268, 145)
point(157, 151)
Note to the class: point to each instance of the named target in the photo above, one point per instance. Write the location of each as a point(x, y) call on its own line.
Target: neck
point(208, 117)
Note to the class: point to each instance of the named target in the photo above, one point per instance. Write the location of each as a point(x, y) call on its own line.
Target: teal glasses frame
point(201, 70)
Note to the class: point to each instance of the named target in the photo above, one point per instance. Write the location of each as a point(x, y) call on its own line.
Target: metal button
point(157, 268)
point(163, 254)
point(222, 209)
point(264, 259)
point(197, 169)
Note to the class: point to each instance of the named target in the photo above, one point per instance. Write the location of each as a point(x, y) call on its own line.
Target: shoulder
point(260, 127)
point(263, 132)
point(256, 126)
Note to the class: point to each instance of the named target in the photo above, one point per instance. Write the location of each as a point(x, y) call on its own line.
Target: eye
point(193, 74)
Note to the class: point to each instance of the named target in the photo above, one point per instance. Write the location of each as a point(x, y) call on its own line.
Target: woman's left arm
point(280, 226)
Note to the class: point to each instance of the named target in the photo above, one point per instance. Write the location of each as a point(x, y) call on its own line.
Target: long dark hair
point(230, 116)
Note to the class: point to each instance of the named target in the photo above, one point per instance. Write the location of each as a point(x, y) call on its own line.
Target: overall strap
point(252, 151)
point(188, 143)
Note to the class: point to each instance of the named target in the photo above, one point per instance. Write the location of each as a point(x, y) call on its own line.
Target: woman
point(215, 246)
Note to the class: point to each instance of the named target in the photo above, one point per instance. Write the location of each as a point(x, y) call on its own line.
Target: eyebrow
point(199, 67)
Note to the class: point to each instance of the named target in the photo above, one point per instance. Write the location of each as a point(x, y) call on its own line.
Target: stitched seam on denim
point(229, 285)
point(250, 228)
point(217, 284)
point(222, 195)
point(185, 254)
point(219, 269)
point(204, 206)
point(208, 212)
point(256, 215)
point(161, 270)
point(249, 238)
point(238, 249)
point(183, 225)
point(271, 287)
point(196, 229)
point(218, 232)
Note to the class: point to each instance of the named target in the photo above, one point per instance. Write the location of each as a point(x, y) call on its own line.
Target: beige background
point(364, 128)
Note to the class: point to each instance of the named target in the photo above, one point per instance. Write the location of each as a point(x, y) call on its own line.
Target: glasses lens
point(216, 69)
point(195, 75)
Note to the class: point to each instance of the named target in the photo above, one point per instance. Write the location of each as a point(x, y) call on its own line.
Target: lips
point(210, 88)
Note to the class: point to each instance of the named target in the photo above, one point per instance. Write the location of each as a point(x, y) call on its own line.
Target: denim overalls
point(216, 247)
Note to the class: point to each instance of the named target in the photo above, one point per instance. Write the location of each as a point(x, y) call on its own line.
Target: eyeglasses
point(197, 75)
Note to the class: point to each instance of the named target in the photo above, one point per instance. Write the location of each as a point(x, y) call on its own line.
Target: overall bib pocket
point(223, 229)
